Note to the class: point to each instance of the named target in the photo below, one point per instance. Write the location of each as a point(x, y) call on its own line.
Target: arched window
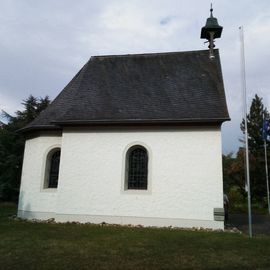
point(137, 167)
point(52, 168)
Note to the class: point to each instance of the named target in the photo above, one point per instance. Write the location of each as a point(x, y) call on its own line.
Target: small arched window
point(52, 168)
point(137, 167)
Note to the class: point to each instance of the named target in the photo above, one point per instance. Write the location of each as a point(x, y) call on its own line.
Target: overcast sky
point(44, 43)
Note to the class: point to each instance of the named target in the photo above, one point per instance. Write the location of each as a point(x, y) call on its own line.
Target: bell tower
point(210, 31)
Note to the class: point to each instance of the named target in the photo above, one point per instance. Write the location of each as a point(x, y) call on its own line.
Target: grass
point(26, 245)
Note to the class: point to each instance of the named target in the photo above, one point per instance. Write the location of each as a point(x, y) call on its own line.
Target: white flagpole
point(266, 173)
point(243, 72)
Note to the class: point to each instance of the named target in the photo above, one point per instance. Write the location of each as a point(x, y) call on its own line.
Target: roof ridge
point(149, 54)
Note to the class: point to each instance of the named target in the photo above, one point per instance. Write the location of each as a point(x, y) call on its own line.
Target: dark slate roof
point(158, 88)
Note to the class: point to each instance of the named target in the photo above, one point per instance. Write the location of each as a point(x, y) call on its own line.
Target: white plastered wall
point(185, 177)
point(34, 200)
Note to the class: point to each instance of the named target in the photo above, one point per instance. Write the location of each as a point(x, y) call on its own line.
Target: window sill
point(137, 191)
point(53, 190)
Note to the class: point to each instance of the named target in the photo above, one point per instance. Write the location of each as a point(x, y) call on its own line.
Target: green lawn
point(25, 245)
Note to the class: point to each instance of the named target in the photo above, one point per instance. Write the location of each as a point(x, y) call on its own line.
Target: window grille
point(137, 168)
point(54, 170)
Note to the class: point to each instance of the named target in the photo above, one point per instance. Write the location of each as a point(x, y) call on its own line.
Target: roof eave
point(141, 122)
point(39, 127)
point(58, 125)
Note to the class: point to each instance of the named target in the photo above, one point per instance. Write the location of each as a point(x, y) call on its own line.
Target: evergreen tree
point(256, 147)
point(12, 145)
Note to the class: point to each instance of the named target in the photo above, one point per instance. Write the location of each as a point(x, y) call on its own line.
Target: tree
point(228, 179)
point(255, 121)
point(256, 147)
point(234, 177)
point(234, 167)
point(12, 145)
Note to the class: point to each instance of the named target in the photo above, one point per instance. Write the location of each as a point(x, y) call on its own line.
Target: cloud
point(165, 20)
point(44, 43)
point(9, 105)
point(131, 19)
